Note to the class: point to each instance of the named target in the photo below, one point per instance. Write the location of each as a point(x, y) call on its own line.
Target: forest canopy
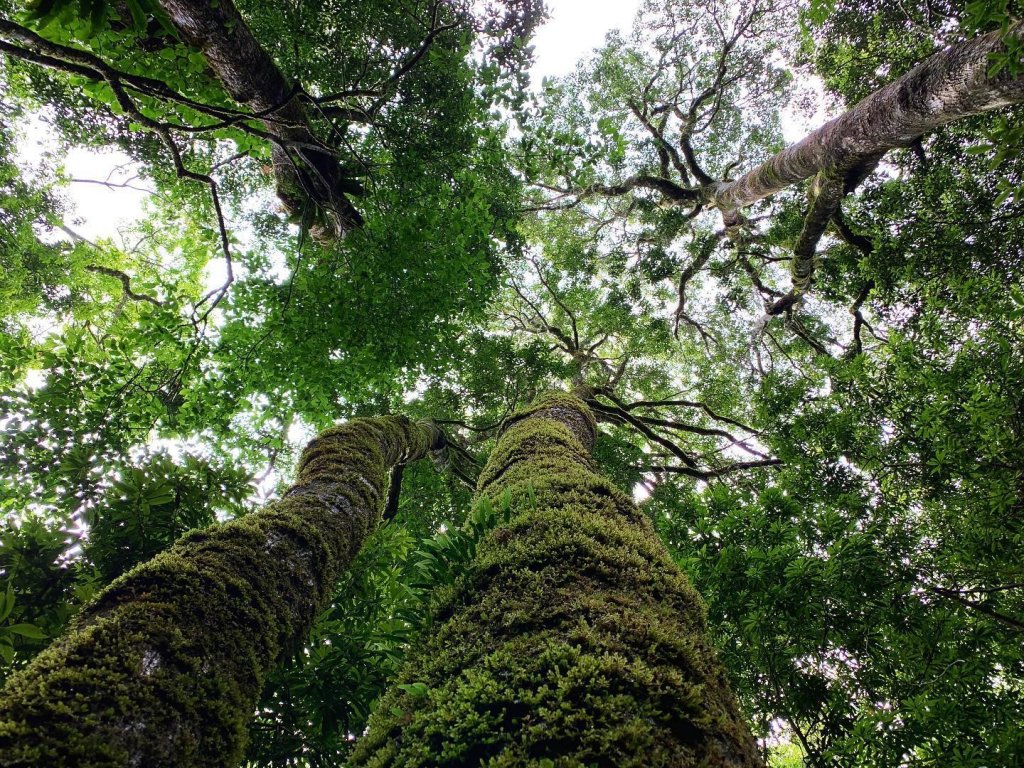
point(806, 364)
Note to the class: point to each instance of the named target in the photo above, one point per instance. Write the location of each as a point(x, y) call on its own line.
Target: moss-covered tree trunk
point(573, 641)
point(165, 667)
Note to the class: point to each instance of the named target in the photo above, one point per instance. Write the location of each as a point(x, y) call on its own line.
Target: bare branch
point(218, 293)
point(687, 404)
point(618, 414)
point(710, 474)
point(696, 265)
point(666, 187)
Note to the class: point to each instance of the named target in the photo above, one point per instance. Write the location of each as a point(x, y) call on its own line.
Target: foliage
point(842, 481)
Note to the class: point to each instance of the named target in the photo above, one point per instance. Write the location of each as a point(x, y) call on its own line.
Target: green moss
point(574, 639)
point(164, 668)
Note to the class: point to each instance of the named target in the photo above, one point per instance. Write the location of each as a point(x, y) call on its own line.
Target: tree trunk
point(947, 86)
point(165, 667)
point(573, 640)
point(304, 169)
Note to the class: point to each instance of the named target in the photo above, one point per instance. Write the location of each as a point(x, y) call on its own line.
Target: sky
point(573, 29)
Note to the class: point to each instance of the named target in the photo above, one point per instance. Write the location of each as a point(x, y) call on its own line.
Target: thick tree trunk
point(165, 667)
point(949, 85)
point(302, 167)
point(573, 639)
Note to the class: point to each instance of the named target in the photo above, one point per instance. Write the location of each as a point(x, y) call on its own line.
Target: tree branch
point(710, 474)
point(949, 85)
point(667, 187)
point(126, 283)
point(957, 597)
point(628, 418)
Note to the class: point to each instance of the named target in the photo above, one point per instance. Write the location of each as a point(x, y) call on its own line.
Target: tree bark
point(304, 169)
point(573, 639)
point(165, 667)
point(952, 84)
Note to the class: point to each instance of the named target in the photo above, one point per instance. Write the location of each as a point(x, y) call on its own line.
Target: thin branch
point(113, 185)
point(704, 255)
point(687, 404)
point(123, 277)
point(218, 293)
point(29, 46)
point(558, 300)
point(666, 187)
point(958, 597)
point(126, 283)
point(710, 474)
point(646, 431)
point(666, 151)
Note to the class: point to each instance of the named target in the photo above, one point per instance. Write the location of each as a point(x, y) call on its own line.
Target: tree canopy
point(815, 392)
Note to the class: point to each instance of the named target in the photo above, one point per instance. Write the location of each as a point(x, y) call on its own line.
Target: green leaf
point(26, 630)
point(416, 690)
point(45, 9)
point(7, 602)
point(138, 15)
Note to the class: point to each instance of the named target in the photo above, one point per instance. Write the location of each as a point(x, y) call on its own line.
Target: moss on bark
point(574, 639)
point(165, 667)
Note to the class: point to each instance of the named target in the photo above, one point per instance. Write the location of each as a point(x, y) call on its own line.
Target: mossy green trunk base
point(165, 667)
point(573, 641)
